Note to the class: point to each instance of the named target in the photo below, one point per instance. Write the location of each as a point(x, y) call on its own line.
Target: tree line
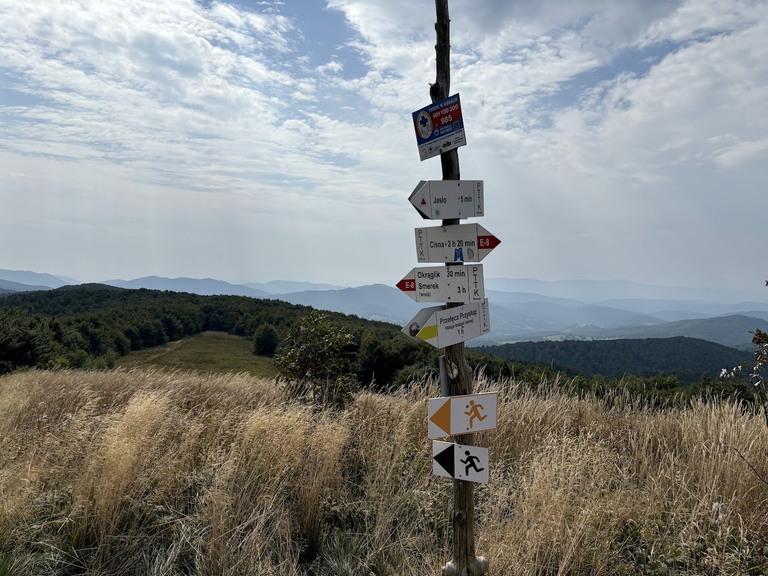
point(91, 326)
point(688, 359)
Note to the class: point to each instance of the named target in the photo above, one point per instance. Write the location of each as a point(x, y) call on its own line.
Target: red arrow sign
point(459, 284)
point(488, 242)
point(454, 243)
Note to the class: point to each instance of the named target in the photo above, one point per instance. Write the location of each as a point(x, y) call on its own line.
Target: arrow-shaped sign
point(468, 463)
point(445, 284)
point(413, 327)
point(442, 199)
point(443, 327)
point(456, 415)
point(458, 243)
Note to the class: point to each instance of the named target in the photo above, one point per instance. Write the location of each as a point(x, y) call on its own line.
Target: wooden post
point(464, 562)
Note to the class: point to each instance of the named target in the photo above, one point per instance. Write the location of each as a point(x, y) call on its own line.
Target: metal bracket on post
point(445, 383)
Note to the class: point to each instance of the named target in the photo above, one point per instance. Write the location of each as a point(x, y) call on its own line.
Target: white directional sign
point(469, 463)
point(458, 243)
point(441, 199)
point(456, 415)
point(445, 284)
point(439, 127)
point(449, 326)
point(423, 316)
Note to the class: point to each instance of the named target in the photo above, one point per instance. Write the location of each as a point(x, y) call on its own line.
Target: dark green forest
point(688, 359)
point(91, 326)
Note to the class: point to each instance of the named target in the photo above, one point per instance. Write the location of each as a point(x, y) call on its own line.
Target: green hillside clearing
point(215, 352)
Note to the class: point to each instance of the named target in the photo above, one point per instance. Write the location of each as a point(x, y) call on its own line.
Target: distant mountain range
point(10, 286)
point(288, 286)
point(594, 291)
point(568, 309)
point(374, 302)
point(727, 330)
point(204, 287)
point(546, 321)
point(24, 277)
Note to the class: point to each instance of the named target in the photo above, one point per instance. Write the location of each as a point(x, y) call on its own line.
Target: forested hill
point(687, 358)
point(90, 326)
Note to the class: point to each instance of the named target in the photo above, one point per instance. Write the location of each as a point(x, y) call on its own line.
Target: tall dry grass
point(157, 473)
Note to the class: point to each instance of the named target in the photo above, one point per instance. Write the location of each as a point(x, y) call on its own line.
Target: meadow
point(163, 472)
point(215, 352)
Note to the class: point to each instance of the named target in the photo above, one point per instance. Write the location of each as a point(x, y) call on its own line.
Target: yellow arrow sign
point(446, 327)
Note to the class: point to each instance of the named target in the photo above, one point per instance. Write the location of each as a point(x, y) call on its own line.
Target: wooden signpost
point(439, 129)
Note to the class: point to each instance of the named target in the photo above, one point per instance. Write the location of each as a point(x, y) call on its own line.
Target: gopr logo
point(424, 125)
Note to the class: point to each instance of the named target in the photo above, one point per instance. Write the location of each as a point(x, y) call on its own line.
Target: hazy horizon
point(576, 288)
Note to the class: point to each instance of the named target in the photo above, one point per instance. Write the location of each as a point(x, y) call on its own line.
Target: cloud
point(696, 19)
point(743, 152)
point(605, 132)
point(331, 68)
point(539, 18)
point(678, 111)
point(140, 86)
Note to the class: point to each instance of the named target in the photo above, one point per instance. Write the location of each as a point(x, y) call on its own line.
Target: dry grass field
point(133, 472)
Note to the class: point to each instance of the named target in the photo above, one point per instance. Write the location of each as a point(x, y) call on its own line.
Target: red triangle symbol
point(423, 201)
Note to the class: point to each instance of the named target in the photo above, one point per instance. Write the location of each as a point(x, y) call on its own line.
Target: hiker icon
point(471, 462)
point(474, 412)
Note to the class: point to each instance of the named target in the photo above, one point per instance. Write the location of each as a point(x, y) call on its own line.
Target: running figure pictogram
point(471, 462)
point(474, 412)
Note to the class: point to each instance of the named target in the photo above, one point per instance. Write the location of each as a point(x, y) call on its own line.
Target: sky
point(258, 140)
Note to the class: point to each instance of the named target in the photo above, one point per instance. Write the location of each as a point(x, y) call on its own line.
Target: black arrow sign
point(445, 459)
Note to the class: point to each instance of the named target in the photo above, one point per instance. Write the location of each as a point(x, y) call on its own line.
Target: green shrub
point(265, 340)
